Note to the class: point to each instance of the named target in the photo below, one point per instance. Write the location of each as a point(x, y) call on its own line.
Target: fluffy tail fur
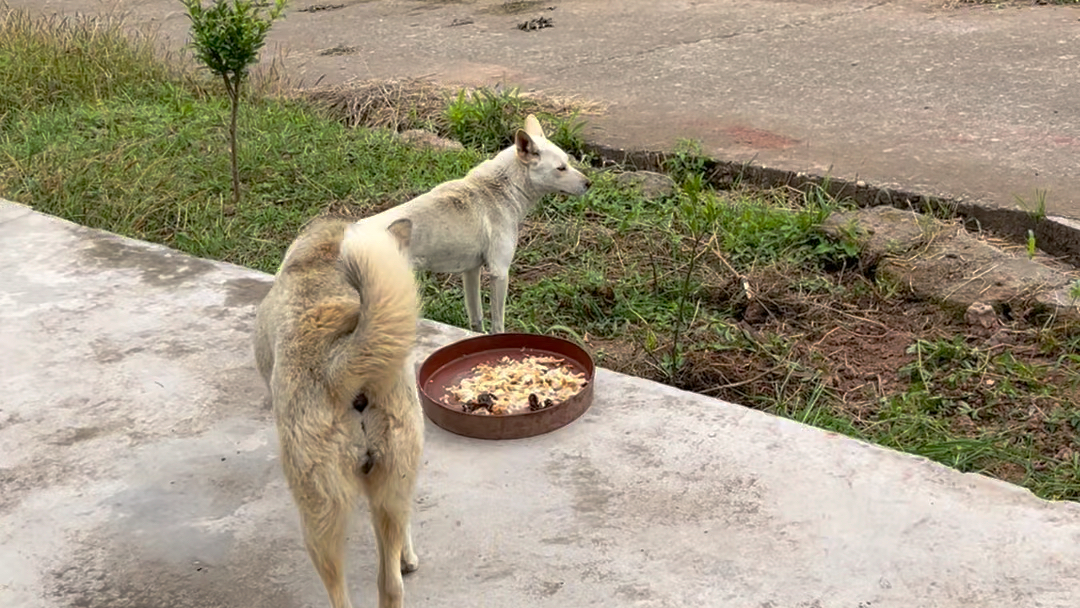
point(375, 263)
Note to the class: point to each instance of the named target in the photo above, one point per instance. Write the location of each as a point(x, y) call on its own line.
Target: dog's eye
point(562, 168)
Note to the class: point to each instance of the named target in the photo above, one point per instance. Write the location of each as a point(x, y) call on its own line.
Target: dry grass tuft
point(406, 104)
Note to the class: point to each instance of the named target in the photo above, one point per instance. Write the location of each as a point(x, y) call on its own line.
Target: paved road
point(969, 102)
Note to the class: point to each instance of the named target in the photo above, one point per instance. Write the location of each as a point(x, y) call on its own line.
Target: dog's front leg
point(499, 258)
point(470, 280)
point(499, 283)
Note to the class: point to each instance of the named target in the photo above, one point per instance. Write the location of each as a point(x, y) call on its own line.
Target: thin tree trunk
point(233, 89)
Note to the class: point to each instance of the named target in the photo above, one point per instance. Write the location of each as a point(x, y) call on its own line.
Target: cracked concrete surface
point(138, 465)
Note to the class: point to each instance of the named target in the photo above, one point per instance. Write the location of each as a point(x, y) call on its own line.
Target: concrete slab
point(972, 103)
point(138, 468)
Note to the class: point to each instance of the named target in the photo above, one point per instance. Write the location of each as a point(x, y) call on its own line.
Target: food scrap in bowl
point(512, 386)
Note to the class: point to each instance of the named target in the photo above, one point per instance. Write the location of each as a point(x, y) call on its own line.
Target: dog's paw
point(409, 563)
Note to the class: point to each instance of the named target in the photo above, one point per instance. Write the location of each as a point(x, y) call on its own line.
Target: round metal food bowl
point(448, 365)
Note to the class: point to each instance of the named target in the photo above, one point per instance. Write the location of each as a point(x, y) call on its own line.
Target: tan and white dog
point(466, 224)
point(333, 338)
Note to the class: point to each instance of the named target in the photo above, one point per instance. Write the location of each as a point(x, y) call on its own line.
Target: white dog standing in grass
point(463, 225)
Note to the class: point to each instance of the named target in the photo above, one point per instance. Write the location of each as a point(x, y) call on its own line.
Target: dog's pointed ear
point(526, 147)
point(533, 128)
point(402, 231)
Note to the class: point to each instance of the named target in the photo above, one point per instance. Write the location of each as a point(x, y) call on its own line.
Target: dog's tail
point(375, 263)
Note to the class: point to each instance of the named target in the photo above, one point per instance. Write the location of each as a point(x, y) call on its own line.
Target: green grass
point(1017, 408)
point(58, 62)
point(160, 170)
point(1036, 210)
point(95, 128)
point(486, 119)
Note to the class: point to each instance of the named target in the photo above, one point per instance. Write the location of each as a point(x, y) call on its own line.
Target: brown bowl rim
point(510, 426)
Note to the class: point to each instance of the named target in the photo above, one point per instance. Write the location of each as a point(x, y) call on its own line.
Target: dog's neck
point(512, 176)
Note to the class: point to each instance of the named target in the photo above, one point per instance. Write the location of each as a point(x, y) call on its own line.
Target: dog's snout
point(588, 183)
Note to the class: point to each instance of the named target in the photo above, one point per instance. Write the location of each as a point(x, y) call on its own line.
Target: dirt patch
point(759, 138)
point(856, 347)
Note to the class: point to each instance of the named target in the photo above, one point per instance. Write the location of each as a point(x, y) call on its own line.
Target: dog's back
point(466, 224)
point(332, 339)
point(339, 320)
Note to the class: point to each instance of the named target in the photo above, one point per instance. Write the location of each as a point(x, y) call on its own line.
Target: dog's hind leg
point(391, 527)
point(324, 536)
point(409, 561)
point(470, 280)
